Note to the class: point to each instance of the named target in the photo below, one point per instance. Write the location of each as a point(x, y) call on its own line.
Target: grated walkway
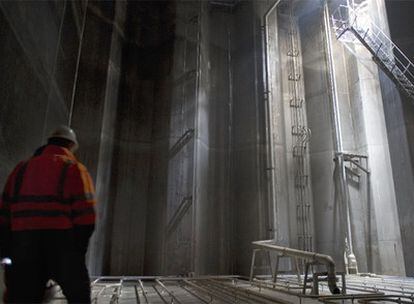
point(236, 289)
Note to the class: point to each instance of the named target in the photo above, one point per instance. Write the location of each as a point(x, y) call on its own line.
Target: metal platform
point(235, 289)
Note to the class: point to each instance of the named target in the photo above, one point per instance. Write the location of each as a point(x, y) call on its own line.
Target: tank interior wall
point(196, 164)
point(322, 146)
point(250, 201)
point(399, 116)
point(99, 245)
point(169, 250)
point(367, 97)
point(354, 138)
point(212, 163)
point(142, 135)
point(40, 57)
point(285, 217)
point(139, 91)
point(108, 104)
point(362, 128)
point(178, 250)
point(126, 123)
point(27, 81)
point(33, 78)
point(299, 191)
point(317, 103)
point(197, 167)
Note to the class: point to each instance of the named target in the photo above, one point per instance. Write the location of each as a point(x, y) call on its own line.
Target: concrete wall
point(328, 225)
point(278, 131)
point(170, 213)
point(27, 80)
point(112, 109)
point(30, 79)
point(145, 88)
point(376, 145)
point(211, 166)
point(40, 58)
point(250, 210)
point(178, 255)
point(399, 119)
point(362, 130)
point(191, 151)
point(299, 190)
point(100, 243)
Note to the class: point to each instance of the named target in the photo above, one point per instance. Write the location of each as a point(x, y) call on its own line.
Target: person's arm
point(80, 191)
point(4, 222)
point(5, 200)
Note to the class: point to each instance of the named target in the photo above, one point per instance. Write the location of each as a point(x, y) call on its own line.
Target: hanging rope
point(75, 80)
point(52, 76)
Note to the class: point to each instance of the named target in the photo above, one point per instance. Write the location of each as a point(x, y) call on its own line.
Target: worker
point(46, 219)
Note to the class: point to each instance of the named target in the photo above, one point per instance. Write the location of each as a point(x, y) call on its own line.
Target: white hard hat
point(66, 133)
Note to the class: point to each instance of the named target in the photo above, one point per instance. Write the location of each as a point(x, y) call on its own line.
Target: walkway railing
point(351, 25)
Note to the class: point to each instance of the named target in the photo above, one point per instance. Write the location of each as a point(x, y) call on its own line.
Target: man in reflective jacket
point(46, 219)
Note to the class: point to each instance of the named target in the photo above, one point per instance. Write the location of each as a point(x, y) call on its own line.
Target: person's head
point(64, 136)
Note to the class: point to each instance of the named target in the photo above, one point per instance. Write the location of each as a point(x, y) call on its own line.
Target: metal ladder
point(300, 136)
point(352, 24)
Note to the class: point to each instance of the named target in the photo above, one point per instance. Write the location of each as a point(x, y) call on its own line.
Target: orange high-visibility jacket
point(50, 191)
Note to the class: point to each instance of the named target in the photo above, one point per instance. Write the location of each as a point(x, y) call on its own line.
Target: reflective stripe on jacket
point(50, 191)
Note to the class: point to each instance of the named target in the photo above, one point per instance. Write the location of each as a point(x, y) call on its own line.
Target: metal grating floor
point(235, 289)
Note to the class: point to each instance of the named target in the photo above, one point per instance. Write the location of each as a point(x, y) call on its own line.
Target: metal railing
point(310, 257)
point(354, 24)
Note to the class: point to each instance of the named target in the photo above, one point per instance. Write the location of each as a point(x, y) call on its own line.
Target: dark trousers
point(42, 255)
